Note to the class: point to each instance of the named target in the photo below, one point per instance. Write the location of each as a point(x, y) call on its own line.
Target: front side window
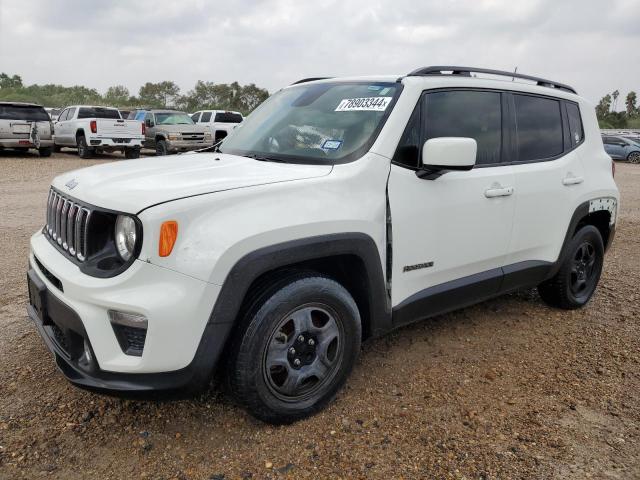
point(538, 128)
point(471, 114)
point(195, 117)
point(575, 123)
point(71, 113)
point(206, 117)
point(321, 123)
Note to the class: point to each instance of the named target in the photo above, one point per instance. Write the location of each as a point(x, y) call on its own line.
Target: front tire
point(161, 148)
point(83, 149)
point(576, 281)
point(295, 349)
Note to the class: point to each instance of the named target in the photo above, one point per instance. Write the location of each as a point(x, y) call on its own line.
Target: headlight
point(173, 136)
point(125, 235)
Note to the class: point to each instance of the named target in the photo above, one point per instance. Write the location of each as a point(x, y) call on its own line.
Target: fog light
point(86, 359)
point(130, 330)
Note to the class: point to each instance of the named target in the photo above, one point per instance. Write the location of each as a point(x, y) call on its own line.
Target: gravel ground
point(506, 389)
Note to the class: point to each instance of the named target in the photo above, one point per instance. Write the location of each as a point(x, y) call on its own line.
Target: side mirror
point(447, 153)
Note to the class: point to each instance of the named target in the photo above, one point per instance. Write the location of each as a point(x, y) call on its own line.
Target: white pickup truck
point(98, 129)
point(220, 122)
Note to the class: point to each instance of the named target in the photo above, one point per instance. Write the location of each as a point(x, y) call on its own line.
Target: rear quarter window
point(538, 128)
point(575, 124)
point(228, 117)
point(27, 113)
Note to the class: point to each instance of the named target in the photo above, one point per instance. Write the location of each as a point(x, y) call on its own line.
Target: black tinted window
point(408, 151)
point(539, 127)
point(98, 112)
point(476, 115)
point(206, 116)
point(575, 123)
point(228, 117)
point(23, 112)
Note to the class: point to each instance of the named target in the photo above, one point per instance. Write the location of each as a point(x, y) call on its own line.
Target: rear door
point(546, 145)
point(450, 235)
point(614, 147)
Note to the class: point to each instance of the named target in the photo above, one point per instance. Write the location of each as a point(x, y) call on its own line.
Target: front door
point(451, 234)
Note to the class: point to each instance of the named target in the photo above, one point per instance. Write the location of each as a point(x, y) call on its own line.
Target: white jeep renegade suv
point(339, 210)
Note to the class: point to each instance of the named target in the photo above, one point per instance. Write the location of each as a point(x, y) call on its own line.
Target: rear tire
point(45, 151)
point(576, 281)
point(634, 157)
point(84, 151)
point(57, 148)
point(131, 153)
point(295, 348)
point(161, 148)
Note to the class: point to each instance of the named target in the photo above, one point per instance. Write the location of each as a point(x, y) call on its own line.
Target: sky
point(592, 45)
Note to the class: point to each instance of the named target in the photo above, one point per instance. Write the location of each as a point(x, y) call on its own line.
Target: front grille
point(196, 137)
point(68, 225)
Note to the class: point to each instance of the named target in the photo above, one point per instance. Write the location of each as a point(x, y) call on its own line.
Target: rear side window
point(206, 117)
point(24, 112)
point(471, 114)
point(228, 117)
point(98, 112)
point(575, 123)
point(538, 127)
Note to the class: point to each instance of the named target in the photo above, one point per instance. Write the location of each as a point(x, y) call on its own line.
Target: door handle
point(571, 180)
point(498, 192)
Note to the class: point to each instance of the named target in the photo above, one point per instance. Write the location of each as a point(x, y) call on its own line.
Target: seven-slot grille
point(67, 224)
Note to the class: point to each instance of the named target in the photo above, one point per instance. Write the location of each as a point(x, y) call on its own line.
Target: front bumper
point(187, 145)
point(24, 143)
point(70, 312)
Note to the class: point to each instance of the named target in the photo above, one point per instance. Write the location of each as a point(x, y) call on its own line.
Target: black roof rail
point(467, 71)
point(310, 79)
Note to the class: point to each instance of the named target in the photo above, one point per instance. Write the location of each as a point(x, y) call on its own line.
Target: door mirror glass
point(449, 153)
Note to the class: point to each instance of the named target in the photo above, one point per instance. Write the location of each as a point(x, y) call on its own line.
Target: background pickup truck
point(97, 129)
point(220, 122)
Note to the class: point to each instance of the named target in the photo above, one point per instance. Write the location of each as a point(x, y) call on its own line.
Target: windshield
point(315, 123)
point(173, 118)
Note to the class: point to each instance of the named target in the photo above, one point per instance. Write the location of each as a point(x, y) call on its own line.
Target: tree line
point(609, 116)
point(204, 95)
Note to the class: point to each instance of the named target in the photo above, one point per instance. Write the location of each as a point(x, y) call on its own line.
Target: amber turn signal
point(168, 236)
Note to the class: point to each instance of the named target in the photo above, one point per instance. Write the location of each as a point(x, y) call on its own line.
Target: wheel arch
point(598, 212)
point(352, 259)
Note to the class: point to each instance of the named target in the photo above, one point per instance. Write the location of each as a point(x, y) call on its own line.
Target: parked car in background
point(220, 122)
point(172, 131)
point(125, 113)
point(53, 113)
point(24, 126)
point(340, 210)
point(622, 148)
point(98, 129)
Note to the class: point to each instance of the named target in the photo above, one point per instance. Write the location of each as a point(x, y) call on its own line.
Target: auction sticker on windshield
point(376, 104)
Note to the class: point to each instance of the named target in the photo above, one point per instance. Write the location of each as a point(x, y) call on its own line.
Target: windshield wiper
point(262, 158)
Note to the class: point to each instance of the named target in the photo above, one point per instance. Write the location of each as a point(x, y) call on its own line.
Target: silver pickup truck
point(172, 131)
point(24, 126)
point(98, 129)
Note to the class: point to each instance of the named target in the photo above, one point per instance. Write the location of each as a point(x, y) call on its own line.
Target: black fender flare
point(254, 264)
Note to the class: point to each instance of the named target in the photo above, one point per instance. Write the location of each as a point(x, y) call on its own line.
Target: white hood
point(133, 185)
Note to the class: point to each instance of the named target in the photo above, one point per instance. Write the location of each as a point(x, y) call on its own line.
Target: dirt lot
point(507, 389)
